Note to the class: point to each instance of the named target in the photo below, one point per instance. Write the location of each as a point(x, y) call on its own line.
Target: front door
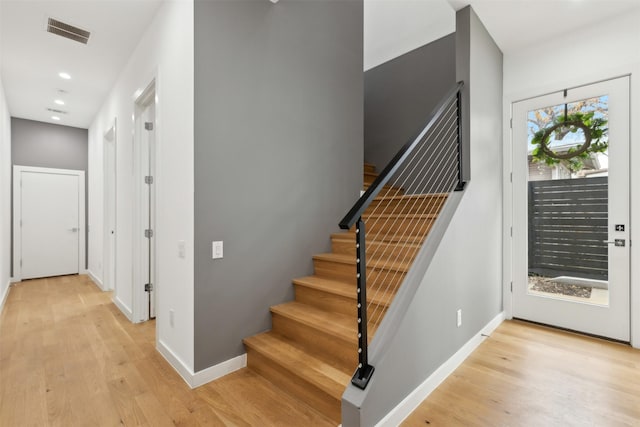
point(571, 209)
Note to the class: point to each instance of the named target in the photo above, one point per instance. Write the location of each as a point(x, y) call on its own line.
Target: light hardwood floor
point(529, 375)
point(68, 357)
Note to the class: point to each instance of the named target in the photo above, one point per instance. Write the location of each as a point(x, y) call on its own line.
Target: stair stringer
point(354, 399)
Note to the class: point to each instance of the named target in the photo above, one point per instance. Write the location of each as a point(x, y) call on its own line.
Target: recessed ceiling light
point(56, 118)
point(65, 76)
point(59, 101)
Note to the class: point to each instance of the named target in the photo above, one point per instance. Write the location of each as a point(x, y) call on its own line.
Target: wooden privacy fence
point(568, 225)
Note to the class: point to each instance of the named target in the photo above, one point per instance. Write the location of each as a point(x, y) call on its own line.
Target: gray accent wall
point(465, 271)
point(278, 154)
point(400, 95)
point(46, 145)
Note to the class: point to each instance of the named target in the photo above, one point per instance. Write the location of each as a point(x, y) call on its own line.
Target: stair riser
point(293, 385)
point(388, 191)
point(375, 250)
point(397, 226)
point(332, 302)
point(369, 168)
point(347, 272)
point(333, 350)
point(368, 179)
point(427, 204)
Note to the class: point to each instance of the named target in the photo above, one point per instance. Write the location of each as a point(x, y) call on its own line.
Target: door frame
point(507, 188)
point(141, 101)
point(109, 254)
point(17, 214)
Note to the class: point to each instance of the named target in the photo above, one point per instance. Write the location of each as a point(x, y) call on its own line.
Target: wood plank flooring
point(69, 357)
point(529, 375)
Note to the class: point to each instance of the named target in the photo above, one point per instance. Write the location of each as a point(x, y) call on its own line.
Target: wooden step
point(369, 177)
point(329, 336)
point(345, 243)
point(408, 203)
point(368, 167)
point(399, 225)
point(337, 296)
point(387, 190)
point(391, 238)
point(380, 274)
point(298, 373)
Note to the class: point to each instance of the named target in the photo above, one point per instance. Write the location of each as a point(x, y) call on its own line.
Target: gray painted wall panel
point(465, 272)
point(46, 145)
point(278, 154)
point(400, 94)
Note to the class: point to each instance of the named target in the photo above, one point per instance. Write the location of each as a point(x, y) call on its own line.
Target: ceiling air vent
point(53, 110)
point(67, 31)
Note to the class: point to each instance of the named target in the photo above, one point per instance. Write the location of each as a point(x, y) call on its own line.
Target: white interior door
point(110, 208)
point(50, 222)
point(567, 270)
point(149, 203)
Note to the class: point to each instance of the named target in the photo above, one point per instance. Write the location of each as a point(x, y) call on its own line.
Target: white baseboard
point(5, 294)
point(95, 280)
point(196, 379)
point(415, 398)
point(123, 308)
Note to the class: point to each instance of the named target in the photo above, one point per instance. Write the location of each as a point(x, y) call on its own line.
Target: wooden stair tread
point(402, 216)
point(338, 287)
point(336, 324)
point(404, 239)
point(399, 197)
point(351, 259)
point(327, 378)
point(368, 167)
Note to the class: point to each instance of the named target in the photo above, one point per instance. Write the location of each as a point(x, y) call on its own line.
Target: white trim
point(196, 379)
point(95, 280)
point(123, 308)
point(507, 211)
point(17, 214)
point(141, 256)
point(3, 298)
point(415, 398)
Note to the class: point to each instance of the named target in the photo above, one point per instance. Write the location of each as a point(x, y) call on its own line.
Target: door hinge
point(148, 233)
point(511, 287)
point(148, 179)
point(148, 287)
point(20, 262)
point(510, 176)
point(511, 123)
point(511, 231)
point(148, 125)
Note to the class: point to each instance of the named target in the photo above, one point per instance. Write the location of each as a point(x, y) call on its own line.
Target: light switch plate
point(216, 250)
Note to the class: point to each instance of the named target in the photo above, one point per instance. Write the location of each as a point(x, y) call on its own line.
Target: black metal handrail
point(354, 216)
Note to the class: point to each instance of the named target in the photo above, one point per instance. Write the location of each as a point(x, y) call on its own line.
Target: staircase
point(311, 352)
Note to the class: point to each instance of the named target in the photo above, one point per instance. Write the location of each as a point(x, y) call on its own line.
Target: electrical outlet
point(459, 323)
point(172, 318)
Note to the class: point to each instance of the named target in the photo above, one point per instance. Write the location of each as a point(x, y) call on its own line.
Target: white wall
point(5, 196)
point(166, 54)
point(608, 50)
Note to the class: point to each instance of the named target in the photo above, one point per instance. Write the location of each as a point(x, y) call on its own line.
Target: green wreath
point(595, 132)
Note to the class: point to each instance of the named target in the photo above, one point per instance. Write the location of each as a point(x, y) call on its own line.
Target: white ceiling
point(515, 24)
point(395, 27)
point(31, 58)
